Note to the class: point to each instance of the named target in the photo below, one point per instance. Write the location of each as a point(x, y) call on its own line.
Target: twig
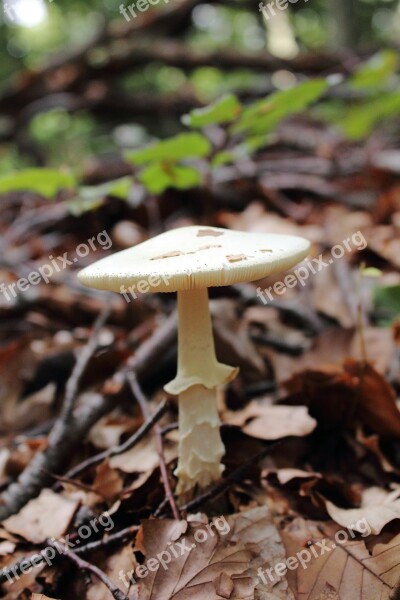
point(142, 401)
point(127, 445)
point(230, 479)
point(86, 566)
point(63, 438)
point(73, 382)
point(37, 559)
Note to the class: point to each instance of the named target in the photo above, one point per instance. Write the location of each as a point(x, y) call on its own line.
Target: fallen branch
point(86, 566)
point(63, 438)
point(37, 559)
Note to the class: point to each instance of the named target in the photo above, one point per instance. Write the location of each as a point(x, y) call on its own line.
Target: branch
point(37, 559)
point(86, 566)
point(63, 439)
point(73, 382)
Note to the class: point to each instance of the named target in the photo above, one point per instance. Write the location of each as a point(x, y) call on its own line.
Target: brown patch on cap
point(168, 255)
point(236, 257)
point(266, 250)
point(209, 232)
point(209, 247)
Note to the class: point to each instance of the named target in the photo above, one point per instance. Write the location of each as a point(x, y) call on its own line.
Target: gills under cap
point(196, 257)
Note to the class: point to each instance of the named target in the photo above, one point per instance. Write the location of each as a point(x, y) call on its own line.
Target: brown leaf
point(268, 422)
point(344, 570)
point(378, 508)
point(124, 561)
point(47, 516)
point(142, 457)
point(224, 562)
point(342, 398)
point(108, 483)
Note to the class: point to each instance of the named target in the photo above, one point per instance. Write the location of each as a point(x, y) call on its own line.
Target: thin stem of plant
point(142, 401)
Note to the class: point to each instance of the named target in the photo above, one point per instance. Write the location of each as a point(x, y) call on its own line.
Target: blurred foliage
point(387, 304)
point(40, 28)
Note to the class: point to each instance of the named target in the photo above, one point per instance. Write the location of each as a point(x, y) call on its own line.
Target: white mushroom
point(188, 261)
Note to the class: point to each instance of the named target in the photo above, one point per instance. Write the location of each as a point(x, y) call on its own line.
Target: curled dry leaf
point(33, 522)
point(268, 422)
point(343, 398)
point(378, 508)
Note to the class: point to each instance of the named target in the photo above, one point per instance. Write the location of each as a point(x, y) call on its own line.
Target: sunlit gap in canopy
point(25, 13)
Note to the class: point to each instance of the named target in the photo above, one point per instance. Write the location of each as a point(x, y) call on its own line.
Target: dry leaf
point(344, 570)
point(34, 523)
point(378, 508)
point(341, 398)
point(108, 483)
point(268, 422)
point(223, 563)
point(142, 457)
point(124, 561)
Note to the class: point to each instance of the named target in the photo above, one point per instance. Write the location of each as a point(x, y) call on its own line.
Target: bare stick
point(86, 566)
point(37, 559)
point(72, 386)
point(142, 400)
point(65, 436)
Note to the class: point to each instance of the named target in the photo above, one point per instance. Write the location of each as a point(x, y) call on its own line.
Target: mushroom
point(188, 261)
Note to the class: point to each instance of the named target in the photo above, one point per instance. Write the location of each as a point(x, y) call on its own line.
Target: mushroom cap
point(195, 257)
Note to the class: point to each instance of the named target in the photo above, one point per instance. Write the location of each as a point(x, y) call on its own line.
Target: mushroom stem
point(196, 349)
point(199, 374)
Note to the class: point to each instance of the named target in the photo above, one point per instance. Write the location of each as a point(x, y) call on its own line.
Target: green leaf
point(159, 176)
point(360, 120)
point(45, 182)
point(264, 115)
point(223, 110)
point(387, 303)
point(91, 197)
point(177, 148)
point(371, 272)
point(377, 71)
